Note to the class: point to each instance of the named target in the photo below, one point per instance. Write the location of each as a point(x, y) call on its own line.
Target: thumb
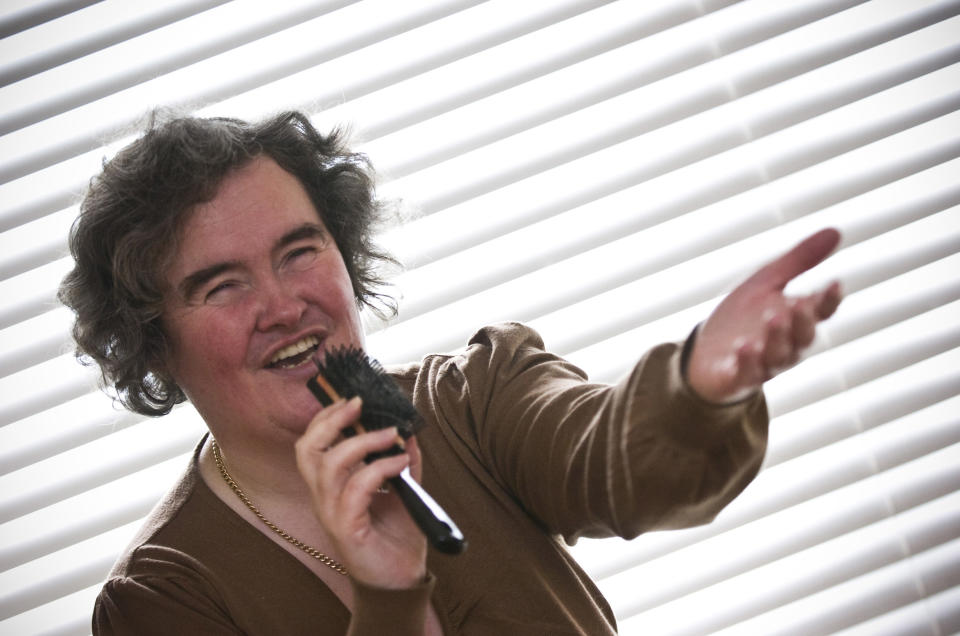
point(805, 255)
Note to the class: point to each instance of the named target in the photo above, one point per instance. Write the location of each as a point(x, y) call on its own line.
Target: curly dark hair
point(127, 232)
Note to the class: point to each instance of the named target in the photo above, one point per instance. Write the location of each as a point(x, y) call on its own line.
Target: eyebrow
point(194, 281)
point(190, 284)
point(299, 233)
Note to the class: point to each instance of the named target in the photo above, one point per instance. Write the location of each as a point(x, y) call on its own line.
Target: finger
point(829, 301)
point(310, 450)
point(416, 464)
point(802, 257)
point(337, 464)
point(352, 451)
point(351, 509)
point(327, 425)
point(365, 482)
point(779, 351)
point(804, 320)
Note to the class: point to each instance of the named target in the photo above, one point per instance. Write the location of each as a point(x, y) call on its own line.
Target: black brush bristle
point(351, 372)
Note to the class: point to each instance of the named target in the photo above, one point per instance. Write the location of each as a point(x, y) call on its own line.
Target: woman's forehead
point(254, 207)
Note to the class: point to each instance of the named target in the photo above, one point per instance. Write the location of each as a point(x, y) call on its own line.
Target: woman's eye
point(301, 256)
point(300, 251)
point(219, 290)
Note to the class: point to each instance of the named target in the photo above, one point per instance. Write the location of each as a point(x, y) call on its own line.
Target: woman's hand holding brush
point(374, 535)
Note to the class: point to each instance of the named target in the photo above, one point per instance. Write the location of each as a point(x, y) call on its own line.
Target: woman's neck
point(265, 472)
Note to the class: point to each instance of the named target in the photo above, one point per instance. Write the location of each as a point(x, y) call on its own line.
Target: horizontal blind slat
point(35, 244)
point(31, 293)
point(35, 340)
point(92, 512)
point(895, 395)
point(66, 616)
point(20, 15)
point(790, 546)
point(857, 600)
point(61, 573)
point(47, 191)
point(44, 385)
point(934, 615)
point(824, 566)
point(848, 507)
point(131, 449)
point(145, 55)
point(103, 24)
point(60, 428)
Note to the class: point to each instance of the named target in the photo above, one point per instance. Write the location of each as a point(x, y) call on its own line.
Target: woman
point(215, 258)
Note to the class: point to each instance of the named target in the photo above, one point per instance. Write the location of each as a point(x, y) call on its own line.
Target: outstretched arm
point(756, 332)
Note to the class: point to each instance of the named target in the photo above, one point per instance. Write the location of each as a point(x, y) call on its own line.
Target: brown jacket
point(521, 451)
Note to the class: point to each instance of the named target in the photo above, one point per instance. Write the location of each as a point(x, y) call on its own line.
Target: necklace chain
point(333, 564)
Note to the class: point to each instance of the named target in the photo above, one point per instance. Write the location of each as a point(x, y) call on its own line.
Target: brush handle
point(440, 530)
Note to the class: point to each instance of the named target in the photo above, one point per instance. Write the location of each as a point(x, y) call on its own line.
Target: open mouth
point(295, 354)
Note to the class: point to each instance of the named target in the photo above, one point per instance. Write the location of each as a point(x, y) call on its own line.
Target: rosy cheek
point(328, 286)
point(212, 344)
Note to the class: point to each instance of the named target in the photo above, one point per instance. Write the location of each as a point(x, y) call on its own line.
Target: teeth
point(296, 348)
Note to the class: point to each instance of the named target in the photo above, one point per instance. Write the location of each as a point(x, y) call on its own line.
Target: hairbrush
point(346, 372)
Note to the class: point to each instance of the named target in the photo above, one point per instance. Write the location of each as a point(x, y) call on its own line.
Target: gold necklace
point(333, 564)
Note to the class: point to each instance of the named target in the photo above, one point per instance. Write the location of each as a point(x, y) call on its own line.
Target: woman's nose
point(280, 306)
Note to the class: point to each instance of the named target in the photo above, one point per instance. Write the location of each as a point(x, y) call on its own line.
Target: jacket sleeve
point(401, 612)
point(163, 596)
point(588, 459)
point(153, 605)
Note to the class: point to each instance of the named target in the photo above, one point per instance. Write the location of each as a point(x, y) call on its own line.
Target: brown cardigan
point(521, 451)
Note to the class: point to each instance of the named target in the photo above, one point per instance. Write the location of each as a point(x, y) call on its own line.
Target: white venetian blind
point(604, 171)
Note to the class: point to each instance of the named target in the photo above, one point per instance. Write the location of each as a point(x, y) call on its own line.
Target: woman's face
point(257, 288)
